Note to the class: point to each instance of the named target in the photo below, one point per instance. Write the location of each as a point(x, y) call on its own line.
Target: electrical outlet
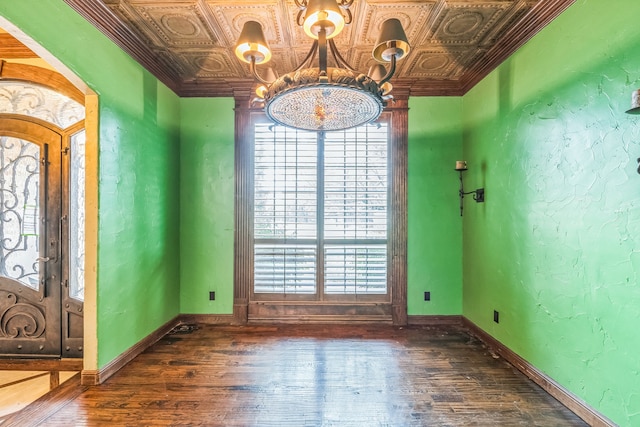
point(496, 316)
point(212, 295)
point(427, 296)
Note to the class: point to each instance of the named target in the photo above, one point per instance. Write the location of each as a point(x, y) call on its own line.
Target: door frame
point(62, 310)
point(65, 81)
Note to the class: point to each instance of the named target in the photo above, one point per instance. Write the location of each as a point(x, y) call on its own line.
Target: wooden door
point(31, 228)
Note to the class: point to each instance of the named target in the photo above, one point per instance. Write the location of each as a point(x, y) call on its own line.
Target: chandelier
point(324, 98)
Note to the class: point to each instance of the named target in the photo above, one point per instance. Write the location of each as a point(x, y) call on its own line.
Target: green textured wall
point(556, 247)
point(207, 187)
point(138, 270)
point(434, 246)
point(206, 199)
point(138, 258)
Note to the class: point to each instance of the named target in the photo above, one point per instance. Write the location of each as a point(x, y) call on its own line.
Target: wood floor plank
point(314, 375)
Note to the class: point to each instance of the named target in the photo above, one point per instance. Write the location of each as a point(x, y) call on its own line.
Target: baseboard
point(435, 320)
point(95, 377)
point(564, 396)
point(207, 319)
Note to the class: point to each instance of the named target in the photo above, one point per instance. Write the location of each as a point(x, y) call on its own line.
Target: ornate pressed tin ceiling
point(188, 44)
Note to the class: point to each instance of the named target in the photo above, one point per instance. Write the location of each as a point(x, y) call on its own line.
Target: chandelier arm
point(313, 57)
point(335, 58)
point(349, 18)
point(338, 58)
point(310, 56)
point(345, 4)
point(300, 17)
point(301, 4)
point(390, 73)
point(254, 72)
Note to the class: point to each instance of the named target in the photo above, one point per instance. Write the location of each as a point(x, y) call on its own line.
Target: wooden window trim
point(397, 115)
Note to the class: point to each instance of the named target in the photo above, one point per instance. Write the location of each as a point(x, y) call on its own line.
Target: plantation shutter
point(285, 204)
point(320, 217)
point(355, 211)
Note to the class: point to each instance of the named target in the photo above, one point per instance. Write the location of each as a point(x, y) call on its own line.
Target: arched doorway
point(42, 216)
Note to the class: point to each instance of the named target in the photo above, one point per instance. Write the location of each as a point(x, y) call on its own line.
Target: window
point(320, 221)
point(320, 211)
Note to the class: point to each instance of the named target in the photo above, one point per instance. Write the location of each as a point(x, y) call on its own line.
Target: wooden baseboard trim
point(95, 377)
point(207, 319)
point(435, 320)
point(564, 396)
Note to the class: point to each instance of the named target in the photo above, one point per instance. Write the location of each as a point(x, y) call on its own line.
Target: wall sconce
point(635, 109)
point(478, 195)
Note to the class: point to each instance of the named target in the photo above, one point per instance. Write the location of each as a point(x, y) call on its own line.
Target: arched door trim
point(41, 76)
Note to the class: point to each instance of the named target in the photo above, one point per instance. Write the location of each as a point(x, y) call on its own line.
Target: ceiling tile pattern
point(454, 43)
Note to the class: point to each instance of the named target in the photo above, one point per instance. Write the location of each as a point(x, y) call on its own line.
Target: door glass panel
point(20, 213)
point(76, 216)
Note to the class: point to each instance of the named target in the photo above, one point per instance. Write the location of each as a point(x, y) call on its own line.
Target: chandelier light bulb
point(261, 91)
point(252, 44)
point(391, 42)
point(323, 14)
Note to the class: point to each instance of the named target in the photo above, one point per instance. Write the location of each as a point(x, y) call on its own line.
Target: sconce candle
point(635, 103)
point(635, 109)
point(461, 165)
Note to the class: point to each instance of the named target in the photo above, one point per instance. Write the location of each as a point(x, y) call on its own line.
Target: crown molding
point(534, 21)
point(99, 15)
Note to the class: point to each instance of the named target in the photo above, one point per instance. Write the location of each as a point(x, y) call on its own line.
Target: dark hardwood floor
point(308, 375)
